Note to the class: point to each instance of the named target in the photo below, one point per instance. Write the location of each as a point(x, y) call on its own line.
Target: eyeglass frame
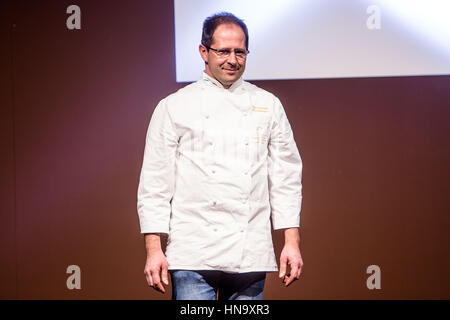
point(229, 52)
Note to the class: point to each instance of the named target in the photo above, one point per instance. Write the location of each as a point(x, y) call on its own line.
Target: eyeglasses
point(225, 53)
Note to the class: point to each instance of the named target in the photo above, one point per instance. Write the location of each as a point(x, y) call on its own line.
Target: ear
point(203, 52)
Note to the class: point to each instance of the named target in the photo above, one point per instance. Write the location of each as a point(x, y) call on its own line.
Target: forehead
point(229, 35)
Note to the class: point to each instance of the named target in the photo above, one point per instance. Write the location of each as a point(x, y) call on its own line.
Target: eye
point(240, 53)
point(224, 52)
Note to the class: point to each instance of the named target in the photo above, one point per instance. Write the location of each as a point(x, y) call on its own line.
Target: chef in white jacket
point(220, 168)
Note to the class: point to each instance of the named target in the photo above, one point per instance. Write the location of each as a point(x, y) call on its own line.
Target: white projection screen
point(301, 39)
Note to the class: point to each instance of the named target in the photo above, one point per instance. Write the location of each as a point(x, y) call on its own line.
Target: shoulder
point(184, 94)
point(178, 100)
point(187, 91)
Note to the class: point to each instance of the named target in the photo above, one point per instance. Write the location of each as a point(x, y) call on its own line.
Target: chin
point(233, 77)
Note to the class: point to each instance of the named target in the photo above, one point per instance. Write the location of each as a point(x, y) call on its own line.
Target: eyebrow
point(232, 48)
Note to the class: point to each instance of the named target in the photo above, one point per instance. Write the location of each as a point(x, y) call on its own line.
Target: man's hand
point(156, 265)
point(290, 255)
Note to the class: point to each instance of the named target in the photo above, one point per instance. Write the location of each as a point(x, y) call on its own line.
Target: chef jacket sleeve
point(157, 179)
point(284, 172)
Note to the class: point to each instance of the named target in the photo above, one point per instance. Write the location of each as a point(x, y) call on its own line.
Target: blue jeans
point(208, 284)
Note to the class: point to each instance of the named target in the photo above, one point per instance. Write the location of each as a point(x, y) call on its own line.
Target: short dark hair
point(211, 23)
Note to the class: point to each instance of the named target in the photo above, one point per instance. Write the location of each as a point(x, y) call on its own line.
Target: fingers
point(283, 266)
point(157, 284)
point(148, 277)
point(295, 264)
point(292, 276)
point(164, 275)
point(156, 274)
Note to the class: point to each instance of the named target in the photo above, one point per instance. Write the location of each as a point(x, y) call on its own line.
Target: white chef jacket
point(218, 164)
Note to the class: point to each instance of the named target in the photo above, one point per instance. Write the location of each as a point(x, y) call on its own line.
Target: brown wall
point(75, 106)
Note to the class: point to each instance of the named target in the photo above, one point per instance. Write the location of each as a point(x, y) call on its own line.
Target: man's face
point(225, 69)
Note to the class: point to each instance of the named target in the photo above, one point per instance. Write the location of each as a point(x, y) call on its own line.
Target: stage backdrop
point(75, 106)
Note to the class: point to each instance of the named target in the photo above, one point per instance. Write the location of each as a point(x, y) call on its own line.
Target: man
point(220, 160)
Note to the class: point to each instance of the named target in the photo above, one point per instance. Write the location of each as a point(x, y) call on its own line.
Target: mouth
point(230, 71)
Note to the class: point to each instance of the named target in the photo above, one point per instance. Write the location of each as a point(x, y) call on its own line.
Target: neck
point(226, 86)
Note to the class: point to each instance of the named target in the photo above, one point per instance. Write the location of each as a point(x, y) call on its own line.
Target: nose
point(232, 58)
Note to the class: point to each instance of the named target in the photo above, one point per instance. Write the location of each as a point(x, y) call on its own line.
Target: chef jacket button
point(214, 203)
point(207, 116)
point(213, 171)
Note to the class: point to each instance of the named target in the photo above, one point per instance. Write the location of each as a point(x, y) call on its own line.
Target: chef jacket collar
point(206, 79)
